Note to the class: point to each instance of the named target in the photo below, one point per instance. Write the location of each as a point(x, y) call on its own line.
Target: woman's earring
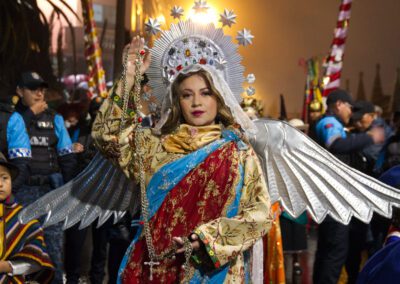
point(218, 118)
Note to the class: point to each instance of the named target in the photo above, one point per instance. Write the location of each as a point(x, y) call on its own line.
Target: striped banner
point(96, 74)
point(334, 62)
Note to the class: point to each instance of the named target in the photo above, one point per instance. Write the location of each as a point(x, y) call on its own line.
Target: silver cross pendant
point(151, 264)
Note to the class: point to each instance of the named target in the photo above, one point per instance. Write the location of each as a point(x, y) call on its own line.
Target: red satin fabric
point(202, 196)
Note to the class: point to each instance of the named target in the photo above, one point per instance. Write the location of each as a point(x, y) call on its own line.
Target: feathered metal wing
point(300, 174)
point(100, 191)
point(304, 176)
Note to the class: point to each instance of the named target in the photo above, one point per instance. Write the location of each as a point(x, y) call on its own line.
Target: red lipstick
point(197, 113)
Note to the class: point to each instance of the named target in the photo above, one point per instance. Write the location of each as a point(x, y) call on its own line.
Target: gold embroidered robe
point(226, 238)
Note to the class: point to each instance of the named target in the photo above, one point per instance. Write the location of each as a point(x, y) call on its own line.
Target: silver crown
point(188, 43)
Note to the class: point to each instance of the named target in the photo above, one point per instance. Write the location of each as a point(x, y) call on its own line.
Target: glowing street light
point(161, 19)
point(204, 16)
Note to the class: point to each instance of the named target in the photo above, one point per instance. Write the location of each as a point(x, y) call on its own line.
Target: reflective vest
point(43, 140)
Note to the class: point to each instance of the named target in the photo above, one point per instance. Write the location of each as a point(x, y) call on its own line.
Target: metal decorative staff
point(138, 154)
point(97, 77)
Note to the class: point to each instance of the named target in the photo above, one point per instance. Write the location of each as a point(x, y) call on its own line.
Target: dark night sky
point(287, 30)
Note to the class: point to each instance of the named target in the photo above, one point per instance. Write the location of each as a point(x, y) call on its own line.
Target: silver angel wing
point(100, 191)
point(304, 176)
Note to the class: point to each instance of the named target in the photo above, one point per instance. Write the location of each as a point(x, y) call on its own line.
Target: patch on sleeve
point(329, 125)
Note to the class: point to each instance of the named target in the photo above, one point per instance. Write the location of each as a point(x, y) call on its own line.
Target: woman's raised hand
point(136, 46)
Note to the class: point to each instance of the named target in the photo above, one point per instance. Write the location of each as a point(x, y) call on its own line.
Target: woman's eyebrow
point(191, 90)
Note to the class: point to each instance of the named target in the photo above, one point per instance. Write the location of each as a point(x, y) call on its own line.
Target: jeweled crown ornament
point(187, 43)
point(153, 26)
point(244, 37)
point(177, 12)
point(228, 18)
point(200, 6)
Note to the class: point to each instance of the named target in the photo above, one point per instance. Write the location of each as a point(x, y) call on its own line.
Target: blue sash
point(166, 178)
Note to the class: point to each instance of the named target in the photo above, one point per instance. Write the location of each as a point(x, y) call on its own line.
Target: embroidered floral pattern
point(200, 202)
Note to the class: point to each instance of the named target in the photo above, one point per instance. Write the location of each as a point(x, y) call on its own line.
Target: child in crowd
point(23, 253)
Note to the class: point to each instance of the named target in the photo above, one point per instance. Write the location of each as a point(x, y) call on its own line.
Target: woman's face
point(198, 104)
point(5, 183)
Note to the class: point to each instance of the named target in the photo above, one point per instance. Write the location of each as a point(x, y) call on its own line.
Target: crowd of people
point(46, 149)
point(355, 133)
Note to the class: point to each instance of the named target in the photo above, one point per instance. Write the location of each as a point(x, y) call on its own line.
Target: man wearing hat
point(363, 115)
point(14, 139)
point(22, 247)
point(53, 161)
point(365, 120)
point(330, 130)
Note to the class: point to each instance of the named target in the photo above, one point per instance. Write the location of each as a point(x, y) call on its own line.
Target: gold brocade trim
point(190, 138)
point(209, 249)
point(234, 167)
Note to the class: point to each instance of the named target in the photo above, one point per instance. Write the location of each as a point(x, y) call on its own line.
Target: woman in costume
point(203, 193)
point(204, 179)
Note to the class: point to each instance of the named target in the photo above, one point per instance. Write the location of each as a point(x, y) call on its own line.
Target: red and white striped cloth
point(334, 62)
point(96, 74)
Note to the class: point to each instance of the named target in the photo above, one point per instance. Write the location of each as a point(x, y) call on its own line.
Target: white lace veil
point(189, 47)
point(220, 84)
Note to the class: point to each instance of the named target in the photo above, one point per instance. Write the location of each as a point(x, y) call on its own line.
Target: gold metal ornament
point(138, 154)
point(315, 106)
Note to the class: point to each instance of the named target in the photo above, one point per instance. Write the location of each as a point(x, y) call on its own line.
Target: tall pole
point(96, 74)
point(334, 62)
point(120, 38)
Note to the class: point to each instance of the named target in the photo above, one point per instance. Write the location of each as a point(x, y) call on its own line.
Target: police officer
point(53, 161)
point(333, 237)
point(14, 139)
point(365, 118)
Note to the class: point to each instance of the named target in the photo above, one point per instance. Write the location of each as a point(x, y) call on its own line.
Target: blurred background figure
point(14, 138)
point(79, 116)
point(252, 107)
point(390, 153)
point(315, 109)
point(53, 161)
point(333, 237)
point(361, 235)
point(299, 124)
point(294, 232)
point(383, 266)
point(365, 119)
